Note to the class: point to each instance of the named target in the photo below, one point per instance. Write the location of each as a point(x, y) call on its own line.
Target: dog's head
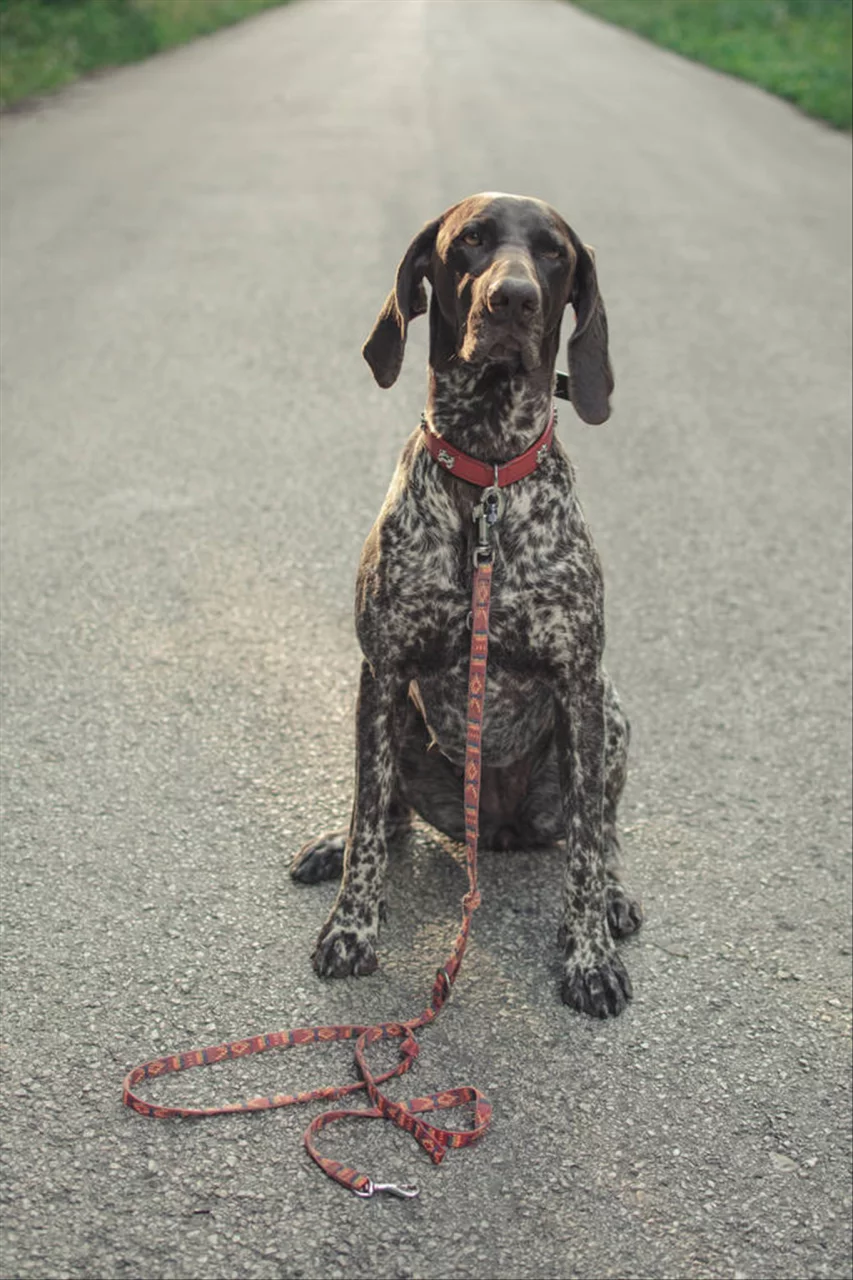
point(502, 270)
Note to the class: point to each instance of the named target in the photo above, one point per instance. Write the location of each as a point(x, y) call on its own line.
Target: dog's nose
point(513, 298)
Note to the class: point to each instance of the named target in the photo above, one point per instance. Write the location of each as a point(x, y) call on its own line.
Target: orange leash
point(434, 1140)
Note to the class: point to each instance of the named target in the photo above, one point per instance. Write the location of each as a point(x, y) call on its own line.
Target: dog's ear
point(590, 374)
point(384, 349)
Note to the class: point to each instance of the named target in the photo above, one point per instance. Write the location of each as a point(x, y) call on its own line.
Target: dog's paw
point(602, 991)
point(341, 950)
point(321, 859)
point(624, 913)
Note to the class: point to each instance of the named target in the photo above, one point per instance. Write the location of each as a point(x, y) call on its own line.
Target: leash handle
point(434, 1140)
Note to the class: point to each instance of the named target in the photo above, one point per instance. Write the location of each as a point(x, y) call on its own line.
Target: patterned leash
point(434, 1140)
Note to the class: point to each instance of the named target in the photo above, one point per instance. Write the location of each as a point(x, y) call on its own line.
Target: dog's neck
point(488, 412)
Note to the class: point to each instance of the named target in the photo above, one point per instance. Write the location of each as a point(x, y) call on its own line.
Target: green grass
point(798, 49)
point(45, 44)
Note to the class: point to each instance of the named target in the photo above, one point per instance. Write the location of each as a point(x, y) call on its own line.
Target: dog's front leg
point(347, 941)
point(595, 979)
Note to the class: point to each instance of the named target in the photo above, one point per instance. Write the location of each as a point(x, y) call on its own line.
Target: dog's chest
point(545, 579)
point(415, 603)
point(543, 558)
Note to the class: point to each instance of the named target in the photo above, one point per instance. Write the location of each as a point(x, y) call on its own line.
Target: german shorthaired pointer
point(554, 746)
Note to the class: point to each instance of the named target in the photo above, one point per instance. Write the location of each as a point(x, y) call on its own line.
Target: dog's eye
point(472, 237)
point(551, 251)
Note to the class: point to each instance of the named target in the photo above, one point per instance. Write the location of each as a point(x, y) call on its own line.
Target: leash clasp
point(403, 1191)
point(487, 513)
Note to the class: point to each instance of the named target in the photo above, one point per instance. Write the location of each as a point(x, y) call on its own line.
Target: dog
point(502, 271)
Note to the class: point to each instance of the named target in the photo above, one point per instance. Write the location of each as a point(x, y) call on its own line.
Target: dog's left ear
point(384, 349)
point(590, 374)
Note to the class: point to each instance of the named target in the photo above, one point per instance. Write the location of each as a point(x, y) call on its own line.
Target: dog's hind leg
point(430, 783)
point(323, 858)
point(320, 859)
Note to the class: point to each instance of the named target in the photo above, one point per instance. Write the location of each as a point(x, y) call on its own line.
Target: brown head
point(502, 269)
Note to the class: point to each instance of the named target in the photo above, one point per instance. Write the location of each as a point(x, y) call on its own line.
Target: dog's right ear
point(590, 372)
point(384, 349)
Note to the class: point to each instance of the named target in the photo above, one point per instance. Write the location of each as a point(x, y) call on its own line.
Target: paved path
point(194, 249)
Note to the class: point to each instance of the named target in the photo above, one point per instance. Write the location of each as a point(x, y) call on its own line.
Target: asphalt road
point(193, 450)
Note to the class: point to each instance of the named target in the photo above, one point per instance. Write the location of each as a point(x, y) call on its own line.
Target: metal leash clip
point(487, 513)
point(403, 1191)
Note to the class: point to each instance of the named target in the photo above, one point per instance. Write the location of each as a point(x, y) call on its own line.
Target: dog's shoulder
point(422, 504)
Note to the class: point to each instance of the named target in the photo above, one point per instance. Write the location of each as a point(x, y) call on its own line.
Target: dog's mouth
point(504, 347)
point(519, 355)
point(482, 345)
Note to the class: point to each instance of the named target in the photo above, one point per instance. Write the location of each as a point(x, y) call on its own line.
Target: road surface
point(193, 451)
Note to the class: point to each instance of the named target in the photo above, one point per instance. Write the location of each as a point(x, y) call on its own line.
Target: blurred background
point(799, 49)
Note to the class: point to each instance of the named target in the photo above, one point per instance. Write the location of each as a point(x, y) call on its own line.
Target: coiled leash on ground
point(434, 1140)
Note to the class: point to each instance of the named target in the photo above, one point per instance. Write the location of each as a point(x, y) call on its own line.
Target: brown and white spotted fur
point(554, 744)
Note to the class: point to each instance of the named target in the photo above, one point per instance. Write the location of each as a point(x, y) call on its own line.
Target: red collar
point(485, 474)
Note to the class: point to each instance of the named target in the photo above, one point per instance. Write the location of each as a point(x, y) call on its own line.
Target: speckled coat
point(554, 743)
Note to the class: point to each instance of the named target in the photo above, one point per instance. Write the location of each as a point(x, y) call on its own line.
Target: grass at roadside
point(45, 44)
point(798, 49)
